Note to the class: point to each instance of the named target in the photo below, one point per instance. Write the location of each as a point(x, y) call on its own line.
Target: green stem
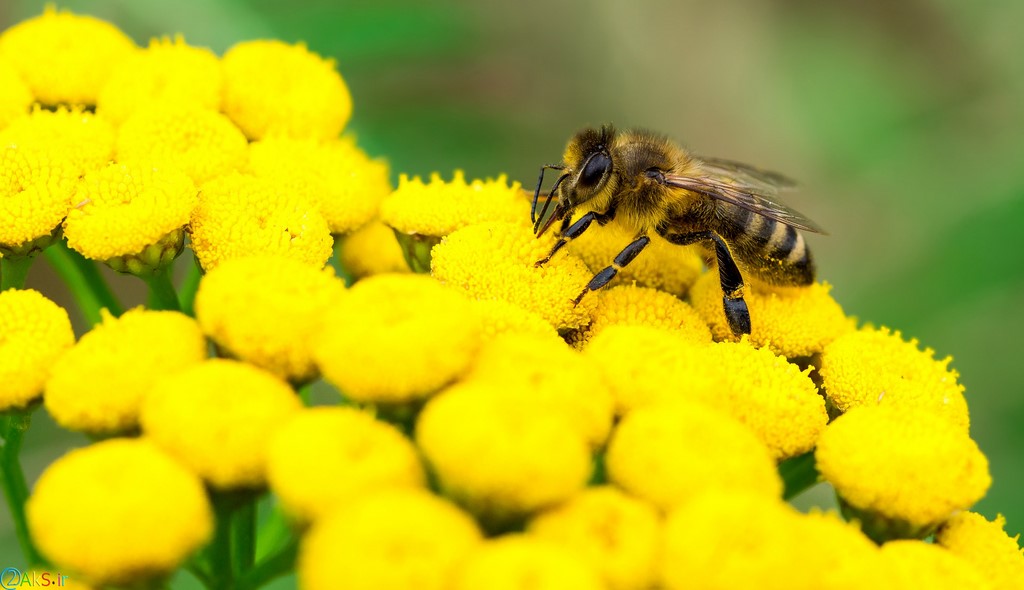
point(12, 477)
point(218, 552)
point(187, 292)
point(243, 539)
point(161, 292)
point(85, 282)
point(14, 271)
point(798, 473)
point(272, 566)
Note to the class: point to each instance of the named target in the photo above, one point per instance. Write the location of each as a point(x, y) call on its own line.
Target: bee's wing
point(747, 174)
point(757, 196)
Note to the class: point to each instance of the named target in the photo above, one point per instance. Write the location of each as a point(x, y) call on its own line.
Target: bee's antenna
point(536, 223)
point(536, 193)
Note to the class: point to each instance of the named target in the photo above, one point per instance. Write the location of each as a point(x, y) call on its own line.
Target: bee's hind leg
point(608, 273)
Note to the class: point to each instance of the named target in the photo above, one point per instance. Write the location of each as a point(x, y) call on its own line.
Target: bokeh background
point(904, 122)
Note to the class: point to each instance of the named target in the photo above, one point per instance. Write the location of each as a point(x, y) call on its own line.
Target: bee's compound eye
point(594, 169)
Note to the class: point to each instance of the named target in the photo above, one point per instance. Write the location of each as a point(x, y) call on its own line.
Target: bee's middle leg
point(608, 273)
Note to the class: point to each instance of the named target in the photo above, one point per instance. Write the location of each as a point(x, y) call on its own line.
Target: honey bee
point(652, 186)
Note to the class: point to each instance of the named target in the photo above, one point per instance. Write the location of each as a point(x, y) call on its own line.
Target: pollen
point(81, 140)
point(15, 96)
point(35, 196)
point(34, 333)
point(524, 562)
point(372, 250)
point(986, 545)
point(636, 305)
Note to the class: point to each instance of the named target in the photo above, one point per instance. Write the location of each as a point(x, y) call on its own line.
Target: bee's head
point(588, 165)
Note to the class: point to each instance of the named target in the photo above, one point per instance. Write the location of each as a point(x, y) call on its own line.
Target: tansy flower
point(201, 142)
point(265, 310)
point(34, 332)
point(131, 216)
point(240, 215)
point(616, 535)
point(64, 57)
point(901, 472)
point(497, 261)
point(372, 250)
point(795, 322)
point(271, 87)
point(98, 386)
point(662, 266)
point(870, 366)
point(986, 546)
point(79, 139)
point(389, 539)
point(631, 304)
point(168, 71)
point(396, 338)
point(335, 175)
point(667, 454)
point(499, 317)
point(15, 96)
point(324, 456)
point(522, 562)
point(916, 564)
point(216, 417)
point(499, 457)
point(118, 513)
point(35, 195)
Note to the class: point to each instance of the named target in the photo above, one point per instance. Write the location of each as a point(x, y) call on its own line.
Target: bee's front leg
point(568, 233)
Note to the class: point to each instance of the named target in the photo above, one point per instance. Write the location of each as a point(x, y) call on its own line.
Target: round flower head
point(617, 535)
point(437, 208)
point(35, 195)
point(64, 57)
point(396, 338)
point(15, 96)
point(335, 175)
point(131, 216)
point(901, 472)
point(78, 139)
point(265, 310)
point(271, 87)
point(216, 417)
point(916, 564)
point(662, 266)
point(630, 304)
point(390, 539)
point(98, 386)
point(34, 332)
point(499, 457)
point(325, 456)
point(201, 142)
point(241, 215)
point(168, 71)
point(372, 250)
point(497, 261)
point(500, 317)
point(118, 512)
point(985, 545)
point(522, 562)
point(870, 367)
point(667, 454)
point(794, 322)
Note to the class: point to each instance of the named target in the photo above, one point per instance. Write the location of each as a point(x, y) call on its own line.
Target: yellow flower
point(64, 57)
point(241, 215)
point(542, 372)
point(875, 366)
point(916, 564)
point(522, 562)
point(496, 261)
point(396, 338)
point(265, 310)
point(500, 317)
point(98, 386)
point(168, 71)
point(617, 535)
point(662, 266)
point(131, 216)
point(335, 175)
point(35, 195)
point(34, 332)
point(986, 546)
point(326, 456)
point(794, 322)
point(437, 208)
point(119, 512)
point(216, 417)
point(391, 539)
point(201, 142)
point(271, 87)
point(74, 137)
point(15, 96)
point(630, 304)
point(669, 453)
point(901, 472)
point(501, 458)
point(372, 250)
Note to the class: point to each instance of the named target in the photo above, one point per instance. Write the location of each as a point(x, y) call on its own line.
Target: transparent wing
point(747, 174)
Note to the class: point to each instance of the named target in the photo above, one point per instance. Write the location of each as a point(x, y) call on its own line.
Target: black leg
point(735, 307)
point(568, 233)
point(536, 193)
point(608, 273)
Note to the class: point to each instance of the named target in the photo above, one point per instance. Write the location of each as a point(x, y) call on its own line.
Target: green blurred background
point(904, 121)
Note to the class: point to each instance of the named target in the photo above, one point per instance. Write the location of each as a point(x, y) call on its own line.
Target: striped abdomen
point(771, 250)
